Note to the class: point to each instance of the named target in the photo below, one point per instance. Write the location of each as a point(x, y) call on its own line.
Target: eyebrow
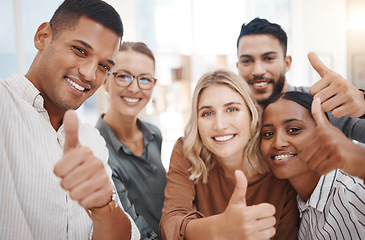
point(86, 45)
point(226, 105)
point(263, 55)
point(286, 121)
point(128, 72)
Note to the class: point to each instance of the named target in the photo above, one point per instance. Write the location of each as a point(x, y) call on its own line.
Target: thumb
point(239, 193)
point(71, 126)
point(318, 65)
point(317, 113)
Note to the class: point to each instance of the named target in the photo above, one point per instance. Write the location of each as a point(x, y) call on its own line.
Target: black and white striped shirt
point(335, 210)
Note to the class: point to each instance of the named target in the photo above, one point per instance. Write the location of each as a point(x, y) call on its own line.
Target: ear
point(106, 83)
point(288, 61)
point(43, 35)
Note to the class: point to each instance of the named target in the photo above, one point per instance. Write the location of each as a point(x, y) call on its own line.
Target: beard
point(278, 88)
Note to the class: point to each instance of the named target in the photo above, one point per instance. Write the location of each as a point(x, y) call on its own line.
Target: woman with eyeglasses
point(134, 145)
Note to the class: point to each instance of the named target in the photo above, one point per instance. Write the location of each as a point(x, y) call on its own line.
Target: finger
point(317, 64)
point(318, 114)
point(70, 123)
point(239, 193)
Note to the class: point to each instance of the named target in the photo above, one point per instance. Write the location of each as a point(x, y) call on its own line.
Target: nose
point(133, 87)
point(219, 122)
point(280, 141)
point(88, 70)
point(259, 69)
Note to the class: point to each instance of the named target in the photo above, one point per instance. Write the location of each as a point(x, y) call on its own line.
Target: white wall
point(319, 26)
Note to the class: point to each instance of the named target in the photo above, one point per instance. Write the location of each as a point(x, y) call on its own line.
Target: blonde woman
point(207, 194)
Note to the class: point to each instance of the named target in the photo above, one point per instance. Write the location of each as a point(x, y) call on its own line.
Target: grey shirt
point(140, 181)
point(353, 128)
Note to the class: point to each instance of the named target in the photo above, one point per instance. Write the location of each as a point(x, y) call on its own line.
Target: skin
point(227, 118)
point(286, 128)
point(262, 64)
point(83, 55)
point(127, 102)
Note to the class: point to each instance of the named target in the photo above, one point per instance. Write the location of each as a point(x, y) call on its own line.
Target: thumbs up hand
point(338, 95)
point(81, 173)
point(240, 221)
point(328, 148)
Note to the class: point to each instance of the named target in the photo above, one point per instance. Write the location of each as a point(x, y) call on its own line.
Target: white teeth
point(78, 87)
point(131, 100)
point(223, 138)
point(260, 84)
point(279, 157)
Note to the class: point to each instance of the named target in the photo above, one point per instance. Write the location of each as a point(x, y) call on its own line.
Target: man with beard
point(263, 62)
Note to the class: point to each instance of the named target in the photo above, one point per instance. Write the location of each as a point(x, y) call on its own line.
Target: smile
point(131, 100)
point(280, 157)
point(223, 138)
point(261, 84)
point(75, 85)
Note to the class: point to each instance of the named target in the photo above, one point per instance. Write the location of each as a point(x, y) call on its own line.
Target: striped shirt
point(32, 203)
point(335, 210)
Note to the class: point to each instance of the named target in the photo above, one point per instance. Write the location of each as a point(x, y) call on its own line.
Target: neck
point(305, 183)
point(125, 128)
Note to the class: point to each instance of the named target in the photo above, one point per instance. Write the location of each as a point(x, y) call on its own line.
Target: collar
point(147, 131)
point(25, 88)
point(321, 193)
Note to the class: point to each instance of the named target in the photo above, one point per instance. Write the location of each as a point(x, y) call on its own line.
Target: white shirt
point(335, 210)
point(32, 203)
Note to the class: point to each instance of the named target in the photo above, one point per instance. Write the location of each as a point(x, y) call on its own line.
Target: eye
point(104, 68)
point(79, 51)
point(232, 109)
point(206, 114)
point(123, 77)
point(145, 80)
point(266, 134)
point(270, 59)
point(245, 61)
point(294, 130)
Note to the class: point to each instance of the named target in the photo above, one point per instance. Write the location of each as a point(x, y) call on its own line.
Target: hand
point(328, 148)
point(338, 95)
point(247, 222)
point(82, 174)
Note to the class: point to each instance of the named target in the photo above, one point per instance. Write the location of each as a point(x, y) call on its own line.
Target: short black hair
point(263, 26)
point(69, 12)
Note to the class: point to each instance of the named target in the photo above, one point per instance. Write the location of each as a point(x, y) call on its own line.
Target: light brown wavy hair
point(201, 158)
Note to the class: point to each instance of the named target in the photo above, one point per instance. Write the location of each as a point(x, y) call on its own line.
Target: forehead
point(219, 94)
point(284, 109)
point(131, 59)
point(102, 40)
point(258, 44)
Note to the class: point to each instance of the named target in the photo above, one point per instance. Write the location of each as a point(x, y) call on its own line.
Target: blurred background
point(191, 37)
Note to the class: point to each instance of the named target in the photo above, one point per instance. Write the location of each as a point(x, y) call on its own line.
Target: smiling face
point(224, 123)
point(286, 126)
point(129, 101)
point(69, 68)
point(261, 62)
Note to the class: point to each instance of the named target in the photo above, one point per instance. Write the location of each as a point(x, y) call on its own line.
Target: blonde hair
point(201, 158)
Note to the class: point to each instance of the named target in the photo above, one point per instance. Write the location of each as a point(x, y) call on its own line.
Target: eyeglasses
point(125, 80)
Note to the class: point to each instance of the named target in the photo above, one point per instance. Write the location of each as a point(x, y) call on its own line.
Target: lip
point(78, 87)
point(224, 138)
point(279, 158)
point(131, 100)
point(261, 84)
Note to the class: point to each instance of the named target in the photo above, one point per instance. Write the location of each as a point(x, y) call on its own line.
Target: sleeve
point(179, 207)
point(287, 228)
point(135, 235)
point(145, 230)
point(353, 128)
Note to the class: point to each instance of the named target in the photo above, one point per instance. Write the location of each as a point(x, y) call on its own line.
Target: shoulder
point(90, 136)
